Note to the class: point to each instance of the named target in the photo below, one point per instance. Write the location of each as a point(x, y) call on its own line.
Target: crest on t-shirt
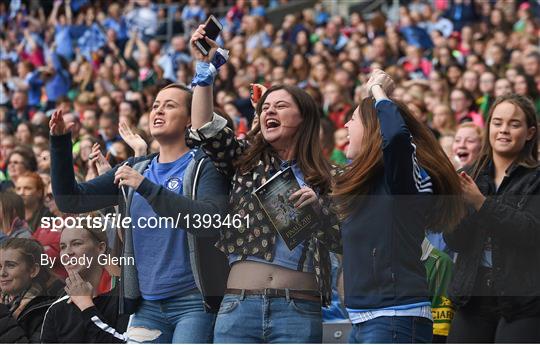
point(173, 183)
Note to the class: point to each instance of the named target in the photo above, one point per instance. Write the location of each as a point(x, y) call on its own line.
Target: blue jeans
point(263, 319)
point(393, 329)
point(179, 319)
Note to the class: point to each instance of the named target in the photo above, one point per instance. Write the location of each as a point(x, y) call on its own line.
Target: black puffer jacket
point(10, 331)
point(511, 217)
point(27, 327)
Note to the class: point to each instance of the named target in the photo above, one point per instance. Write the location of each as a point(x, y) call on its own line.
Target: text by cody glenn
point(86, 261)
point(194, 221)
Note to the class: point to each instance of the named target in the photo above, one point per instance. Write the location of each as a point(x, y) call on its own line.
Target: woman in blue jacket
point(385, 199)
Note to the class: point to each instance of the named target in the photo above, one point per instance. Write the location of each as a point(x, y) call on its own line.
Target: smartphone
point(212, 27)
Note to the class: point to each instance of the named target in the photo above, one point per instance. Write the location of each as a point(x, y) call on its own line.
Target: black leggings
point(478, 325)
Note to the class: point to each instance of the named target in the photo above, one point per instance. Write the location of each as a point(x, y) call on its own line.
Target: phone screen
point(212, 29)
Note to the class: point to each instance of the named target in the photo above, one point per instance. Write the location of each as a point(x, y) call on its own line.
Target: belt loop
point(242, 294)
point(287, 296)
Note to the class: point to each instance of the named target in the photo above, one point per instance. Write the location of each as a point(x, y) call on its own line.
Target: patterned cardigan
point(221, 145)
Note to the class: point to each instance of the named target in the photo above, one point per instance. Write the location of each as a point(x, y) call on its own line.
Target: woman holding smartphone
point(274, 295)
point(496, 283)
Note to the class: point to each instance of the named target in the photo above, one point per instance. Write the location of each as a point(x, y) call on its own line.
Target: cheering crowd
point(415, 141)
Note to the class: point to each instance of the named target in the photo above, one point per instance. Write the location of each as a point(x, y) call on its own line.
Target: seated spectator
point(44, 160)
point(443, 119)
point(415, 64)
point(336, 104)
point(329, 145)
point(467, 144)
point(487, 89)
point(469, 82)
point(531, 65)
point(240, 123)
point(192, 15)
point(333, 39)
point(91, 316)
point(446, 140)
point(49, 236)
point(256, 37)
point(461, 102)
point(503, 87)
point(25, 134)
point(24, 286)
point(31, 188)
point(106, 104)
point(414, 34)
point(108, 129)
point(12, 220)
point(524, 85)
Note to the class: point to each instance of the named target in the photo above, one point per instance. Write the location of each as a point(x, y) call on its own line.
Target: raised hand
point(79, 291)
point(197, 35)
point(57, 126)
point(133, 140)
point(379, 77)
point(257, 90)
point(471, 193)
point(98, 161)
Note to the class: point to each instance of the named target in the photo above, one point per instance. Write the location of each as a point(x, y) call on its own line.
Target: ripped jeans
point(179, 319)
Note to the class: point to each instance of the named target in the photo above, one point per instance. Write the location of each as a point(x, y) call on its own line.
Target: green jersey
point(439, 273)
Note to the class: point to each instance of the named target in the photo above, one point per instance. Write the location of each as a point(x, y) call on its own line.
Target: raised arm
point(70, 196)
point(54, 12)
point(30, 39)
point(128, 49)
point(203, 99)
point(141, 46)
point(69, 14)
point(209, 130)
point(402, 173)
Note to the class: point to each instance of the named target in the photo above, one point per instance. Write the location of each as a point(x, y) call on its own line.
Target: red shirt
point(472, 116)
point(105, 284)
point(338, 116)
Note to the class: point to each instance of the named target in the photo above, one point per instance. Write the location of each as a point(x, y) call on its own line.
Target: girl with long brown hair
point(496, 284)
point(272, 291)
point(386, 200)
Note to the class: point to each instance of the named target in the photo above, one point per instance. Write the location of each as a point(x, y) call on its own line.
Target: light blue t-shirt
point(62, 38)
point(283, 256)
point(161, 253)
point(487, 260)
